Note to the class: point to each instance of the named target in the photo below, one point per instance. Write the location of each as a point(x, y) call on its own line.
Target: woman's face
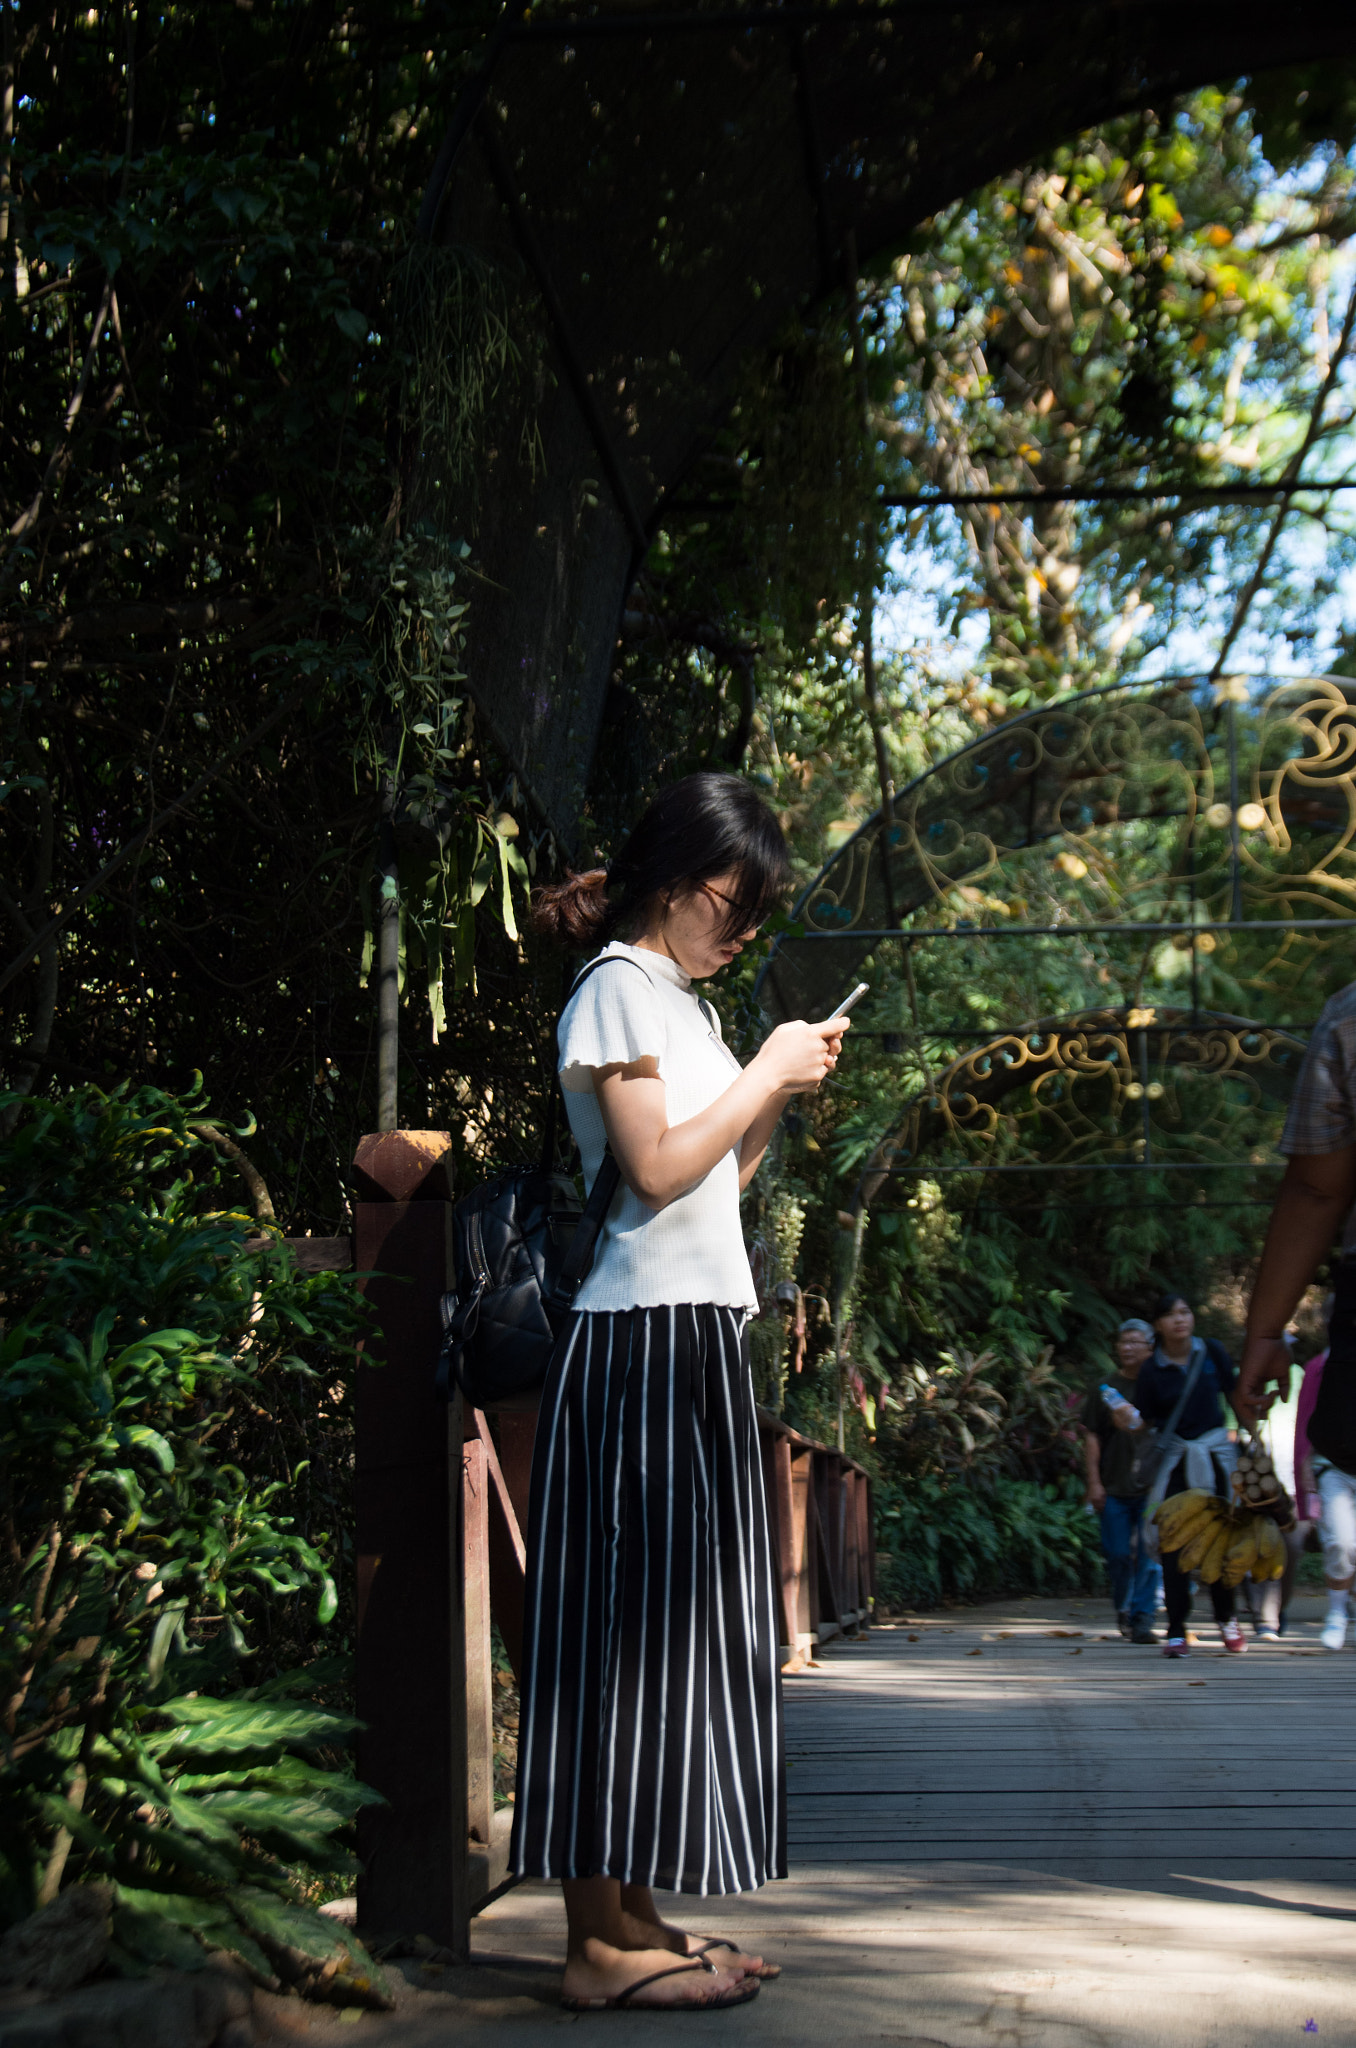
point(1176, 1326)
point(1132, 1348)
point(690, 926)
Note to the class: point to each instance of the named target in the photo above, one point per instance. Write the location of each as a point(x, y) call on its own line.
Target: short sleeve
point(616, 1017)
point(1322, 1115)
point(1092, 1410)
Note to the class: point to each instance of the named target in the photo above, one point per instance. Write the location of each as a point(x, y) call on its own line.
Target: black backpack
point(522, 1246)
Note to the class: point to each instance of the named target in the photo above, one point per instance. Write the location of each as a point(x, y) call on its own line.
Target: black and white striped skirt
point(650, 1733)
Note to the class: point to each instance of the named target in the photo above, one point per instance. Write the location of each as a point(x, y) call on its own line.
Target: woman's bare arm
point(659, 1161)
point(757, 1138)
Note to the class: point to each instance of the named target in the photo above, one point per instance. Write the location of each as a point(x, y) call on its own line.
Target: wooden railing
point(819, 1506)
point(441, 1501)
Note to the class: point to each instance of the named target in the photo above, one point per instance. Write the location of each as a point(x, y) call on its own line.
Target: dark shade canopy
point(666, 189)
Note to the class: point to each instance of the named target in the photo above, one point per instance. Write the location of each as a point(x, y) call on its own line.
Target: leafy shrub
point(951, 1538)
point(147, 1543)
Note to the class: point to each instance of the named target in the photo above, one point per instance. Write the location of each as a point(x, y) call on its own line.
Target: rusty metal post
point(411, 1678)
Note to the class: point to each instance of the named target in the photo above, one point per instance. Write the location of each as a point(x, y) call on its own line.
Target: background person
point(1119, 1459)
point(1270, 1602)
point(1325, 1493)
point(1314, 1209)
point(651, 1745)
point(1196, 1450)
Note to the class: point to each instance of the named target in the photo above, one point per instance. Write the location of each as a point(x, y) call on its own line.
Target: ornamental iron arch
point(1257, 772)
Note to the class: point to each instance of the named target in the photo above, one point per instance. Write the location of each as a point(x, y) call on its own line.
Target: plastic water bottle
point(1114, 1401)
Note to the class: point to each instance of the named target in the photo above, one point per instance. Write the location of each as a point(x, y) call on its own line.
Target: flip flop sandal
point(738, 1994)
point(767, 1973)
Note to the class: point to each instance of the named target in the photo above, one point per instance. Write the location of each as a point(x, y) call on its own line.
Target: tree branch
point(248, 1171)
point(1291, 477)
point(59, 460)
point(128, 621)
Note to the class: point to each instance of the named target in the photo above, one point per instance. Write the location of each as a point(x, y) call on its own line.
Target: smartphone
point(841, 1009)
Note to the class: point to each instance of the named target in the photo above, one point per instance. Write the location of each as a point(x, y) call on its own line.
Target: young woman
point(651, 1746)
point(1198, 1452)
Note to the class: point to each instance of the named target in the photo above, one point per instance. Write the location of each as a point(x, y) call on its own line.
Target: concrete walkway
point(1008, 1826)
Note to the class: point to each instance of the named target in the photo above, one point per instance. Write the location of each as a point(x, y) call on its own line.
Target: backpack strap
point(1188, 1386)
point(578, 1260)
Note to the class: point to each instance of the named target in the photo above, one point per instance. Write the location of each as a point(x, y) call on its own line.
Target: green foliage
point(941, 1539)
point(238, 403)
point(1151, 303)
point(144, 1548)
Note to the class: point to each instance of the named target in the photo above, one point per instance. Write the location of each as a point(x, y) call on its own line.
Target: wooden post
point(517, 1434)
point(506, 1550)
point(479, 1671)
point(806, 1563)
point(866, 1543)
point(408, 1524)
point(850, 1480)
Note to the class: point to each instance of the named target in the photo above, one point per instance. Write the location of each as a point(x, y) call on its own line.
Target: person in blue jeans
point(1119, 1461)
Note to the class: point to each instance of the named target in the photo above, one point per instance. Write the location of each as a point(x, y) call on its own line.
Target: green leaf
point(152, 1441)
point(351, 323)
point(302, 1938)
point(153, 1939)
point(207, 1726)
point(167, 1628)
point(506, 893)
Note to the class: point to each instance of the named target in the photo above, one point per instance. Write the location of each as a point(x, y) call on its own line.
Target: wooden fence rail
point(439, 1537)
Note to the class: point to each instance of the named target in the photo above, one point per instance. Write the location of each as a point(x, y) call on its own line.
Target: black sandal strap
point(624, 1998)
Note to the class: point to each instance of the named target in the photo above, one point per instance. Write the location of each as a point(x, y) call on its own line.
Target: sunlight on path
point(1008, 1829)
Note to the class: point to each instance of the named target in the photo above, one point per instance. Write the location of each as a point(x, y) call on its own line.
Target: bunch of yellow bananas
point(1257, 1547)
point(1219, 1542)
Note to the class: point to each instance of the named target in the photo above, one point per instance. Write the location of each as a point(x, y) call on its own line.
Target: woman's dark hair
point(1166, 1303)
point(702, 826)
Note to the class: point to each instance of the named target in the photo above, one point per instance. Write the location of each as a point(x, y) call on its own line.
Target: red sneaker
point(1234, 1638)
point(1176, 1646)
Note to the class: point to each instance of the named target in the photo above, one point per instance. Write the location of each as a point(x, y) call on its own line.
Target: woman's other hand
point(1096, 1495)
point(799, 1056)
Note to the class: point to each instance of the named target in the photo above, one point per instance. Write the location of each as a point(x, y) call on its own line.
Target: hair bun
point(574, 912)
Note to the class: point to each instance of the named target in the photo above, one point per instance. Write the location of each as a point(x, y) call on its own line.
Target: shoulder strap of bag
point(1193, 1374)
point(579, 1257)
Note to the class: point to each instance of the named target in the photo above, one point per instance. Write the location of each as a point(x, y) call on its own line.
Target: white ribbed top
point(694, 1249)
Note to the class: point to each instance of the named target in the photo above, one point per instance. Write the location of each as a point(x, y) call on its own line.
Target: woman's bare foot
point(597, 1970)
point(645, 1928)
point(728, 1954)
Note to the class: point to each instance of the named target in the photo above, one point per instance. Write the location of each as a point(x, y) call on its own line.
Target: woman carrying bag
point(651, 1743)
point(1180, 1392)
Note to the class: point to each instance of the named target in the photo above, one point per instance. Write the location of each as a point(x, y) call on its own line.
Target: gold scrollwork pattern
point(1105, 1086)
point(1233, 796)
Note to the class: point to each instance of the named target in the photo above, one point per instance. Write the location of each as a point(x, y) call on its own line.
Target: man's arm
point(1315, 1197)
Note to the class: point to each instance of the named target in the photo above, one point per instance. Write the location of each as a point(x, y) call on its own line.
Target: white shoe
point(1334, 1632)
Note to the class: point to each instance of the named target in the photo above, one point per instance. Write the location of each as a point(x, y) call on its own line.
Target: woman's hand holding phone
point(799, 1056)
